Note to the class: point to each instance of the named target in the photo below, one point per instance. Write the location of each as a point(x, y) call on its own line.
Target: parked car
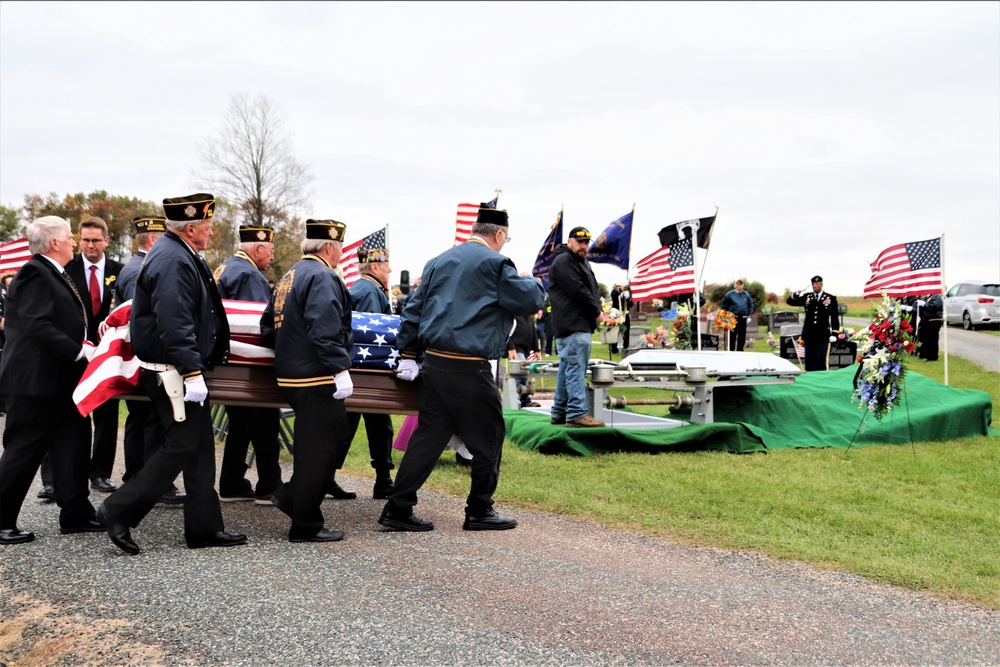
point(973, 303)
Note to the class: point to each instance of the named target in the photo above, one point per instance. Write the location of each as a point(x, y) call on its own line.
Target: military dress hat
point(149, 223)
point(817, 279)
point(256, 235)
point(491, 216)
point(369, 255)
point(579, 233)
point(190, 208)
point(327, 230)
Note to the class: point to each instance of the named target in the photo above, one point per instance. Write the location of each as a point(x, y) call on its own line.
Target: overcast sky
point(824, 132)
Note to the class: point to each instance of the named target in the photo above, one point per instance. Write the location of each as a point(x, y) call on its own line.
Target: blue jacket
point(125, 285)
point(368, 296)
point(239, 278)
point(738, 303)
point(466, 303)
point(308, 323)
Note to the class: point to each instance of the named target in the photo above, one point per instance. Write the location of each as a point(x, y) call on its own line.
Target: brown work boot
point(585, 421)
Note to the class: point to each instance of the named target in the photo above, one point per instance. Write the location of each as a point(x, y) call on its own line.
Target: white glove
point(195, 391)
point(102, 329)
point(87, 351)
point(408, 370)
point(345, 386)
point(921, 303)
point(907, 309)
point(833, 339)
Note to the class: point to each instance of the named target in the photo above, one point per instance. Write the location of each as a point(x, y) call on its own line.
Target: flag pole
point(497, 192)
point(715, 219)
point(944, 313)
point(630, 246)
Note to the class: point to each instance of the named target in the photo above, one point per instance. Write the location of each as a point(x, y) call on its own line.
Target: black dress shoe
point(15, 536)
point(102, 484)
point(383, 487)
point(411, 523)
point(491, 521)
point(334, 491)
point(281, 505)
point(47, 492)
point(173, 497)
point(118, 532)
point(219, 538)
point(323, 535)
point(89, 526)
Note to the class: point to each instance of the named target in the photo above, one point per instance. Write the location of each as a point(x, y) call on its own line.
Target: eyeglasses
point(507, 238)
point(94, 241)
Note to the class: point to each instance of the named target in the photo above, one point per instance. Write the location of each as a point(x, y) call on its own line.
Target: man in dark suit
point(822, 318)
point(94, 274)
point(179, 330)
point(45, 355)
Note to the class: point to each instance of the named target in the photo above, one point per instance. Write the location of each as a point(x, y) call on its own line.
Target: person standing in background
point(740, 304)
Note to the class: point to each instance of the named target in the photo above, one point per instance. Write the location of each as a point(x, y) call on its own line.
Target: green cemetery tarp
point(816, 411)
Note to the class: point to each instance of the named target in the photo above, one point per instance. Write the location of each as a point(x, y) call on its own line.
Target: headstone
point(843, 353)
point(776, 319)
point(634, 334)
point(789, 332)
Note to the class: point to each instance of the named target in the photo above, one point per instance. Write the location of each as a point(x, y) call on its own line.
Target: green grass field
point(924, 516)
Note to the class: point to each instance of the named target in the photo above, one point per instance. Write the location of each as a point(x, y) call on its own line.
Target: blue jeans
point(571, 384)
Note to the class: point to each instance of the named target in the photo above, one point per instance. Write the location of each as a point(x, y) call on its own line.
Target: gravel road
point(976, 346)
point(551, 592)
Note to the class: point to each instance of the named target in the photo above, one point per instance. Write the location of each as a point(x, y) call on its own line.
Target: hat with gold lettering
point(190, 208)
point(256, 235)
point(149, 223)
point(369, 255)
point(491, 216)
point(328, 230)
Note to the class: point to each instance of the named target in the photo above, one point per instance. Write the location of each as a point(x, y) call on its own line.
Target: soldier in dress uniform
point(459, 318)
point(143, 432)
point(821, 320)
point(241, 278)
point(370, 294)
point(308, 323)
point(179, 330)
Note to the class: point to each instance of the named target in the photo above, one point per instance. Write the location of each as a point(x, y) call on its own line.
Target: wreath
point(725, 321)
point(882, 351)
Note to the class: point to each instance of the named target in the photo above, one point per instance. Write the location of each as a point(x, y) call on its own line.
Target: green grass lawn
point(924, 516)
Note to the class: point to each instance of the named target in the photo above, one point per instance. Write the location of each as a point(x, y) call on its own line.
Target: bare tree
point(250, 163)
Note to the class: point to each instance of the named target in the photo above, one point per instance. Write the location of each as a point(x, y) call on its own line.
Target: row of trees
point(250, 167)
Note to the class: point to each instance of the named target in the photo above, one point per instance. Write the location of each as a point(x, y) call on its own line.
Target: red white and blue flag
point(466, 217)
point(14, 254)
point(667, 271)
point(349, 260)
point(907, 269)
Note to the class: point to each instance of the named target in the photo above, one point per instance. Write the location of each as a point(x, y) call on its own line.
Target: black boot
point(383, 485)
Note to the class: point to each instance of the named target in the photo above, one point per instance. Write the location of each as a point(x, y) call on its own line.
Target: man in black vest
point(45, 355)
point(94, 274)
point(179, 330)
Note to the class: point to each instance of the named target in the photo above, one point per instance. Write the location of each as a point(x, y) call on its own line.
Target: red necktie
point(95, 291)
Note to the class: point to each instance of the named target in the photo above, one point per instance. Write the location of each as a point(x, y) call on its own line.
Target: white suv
point(973, 302)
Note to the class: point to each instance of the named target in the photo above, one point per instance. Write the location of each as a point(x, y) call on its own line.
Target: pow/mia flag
point(375, 340)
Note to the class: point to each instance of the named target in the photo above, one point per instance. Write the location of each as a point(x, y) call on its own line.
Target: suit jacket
point(45, 326)
point(76, 271)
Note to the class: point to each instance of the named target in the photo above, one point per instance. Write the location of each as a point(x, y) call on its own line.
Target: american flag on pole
point(466, 217)
point(668, 271)
point(349, 260)
point(907, 269)
point(14, 254)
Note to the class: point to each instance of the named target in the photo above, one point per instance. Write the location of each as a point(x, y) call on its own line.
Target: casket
point(374, 390)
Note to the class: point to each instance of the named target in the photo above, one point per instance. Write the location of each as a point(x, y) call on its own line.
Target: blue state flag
point(548, 252)
point(614, 243)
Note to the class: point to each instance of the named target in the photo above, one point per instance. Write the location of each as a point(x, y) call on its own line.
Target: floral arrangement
point(612, 317)
point(679, 335)
point(658, 304)
point(725, 321)
point(773, 344)
point(882, 349)
point(654, 338)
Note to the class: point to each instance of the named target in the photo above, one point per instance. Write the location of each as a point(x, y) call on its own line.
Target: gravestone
point(842, 352)
point(775, 320)
point(634, 334)
point(789, 332)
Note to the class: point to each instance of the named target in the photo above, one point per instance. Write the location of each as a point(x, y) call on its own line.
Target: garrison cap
point(149, 223)
point(190, 208)
point(491, 216)
point(256, 235)
point(369, 255)
point(328, 230)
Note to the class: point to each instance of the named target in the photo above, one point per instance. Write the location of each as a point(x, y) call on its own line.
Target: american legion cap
point(190, 208)
point(142, 224)
point(328, 230)
point(256, 234)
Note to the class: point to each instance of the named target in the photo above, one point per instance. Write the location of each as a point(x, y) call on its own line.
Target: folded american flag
point(114, 369)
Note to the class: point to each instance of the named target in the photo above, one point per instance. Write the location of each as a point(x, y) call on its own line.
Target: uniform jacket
point(738, 303)
point(933, 309)
point(239, 278)
point(466, 303)
point(525, 336)
point(125, 285)
point(821, 314)
point(45, 326)
point(576, 303)
point(177, 315)
point(75, 269)
point(308, 323)
point(368, 296)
